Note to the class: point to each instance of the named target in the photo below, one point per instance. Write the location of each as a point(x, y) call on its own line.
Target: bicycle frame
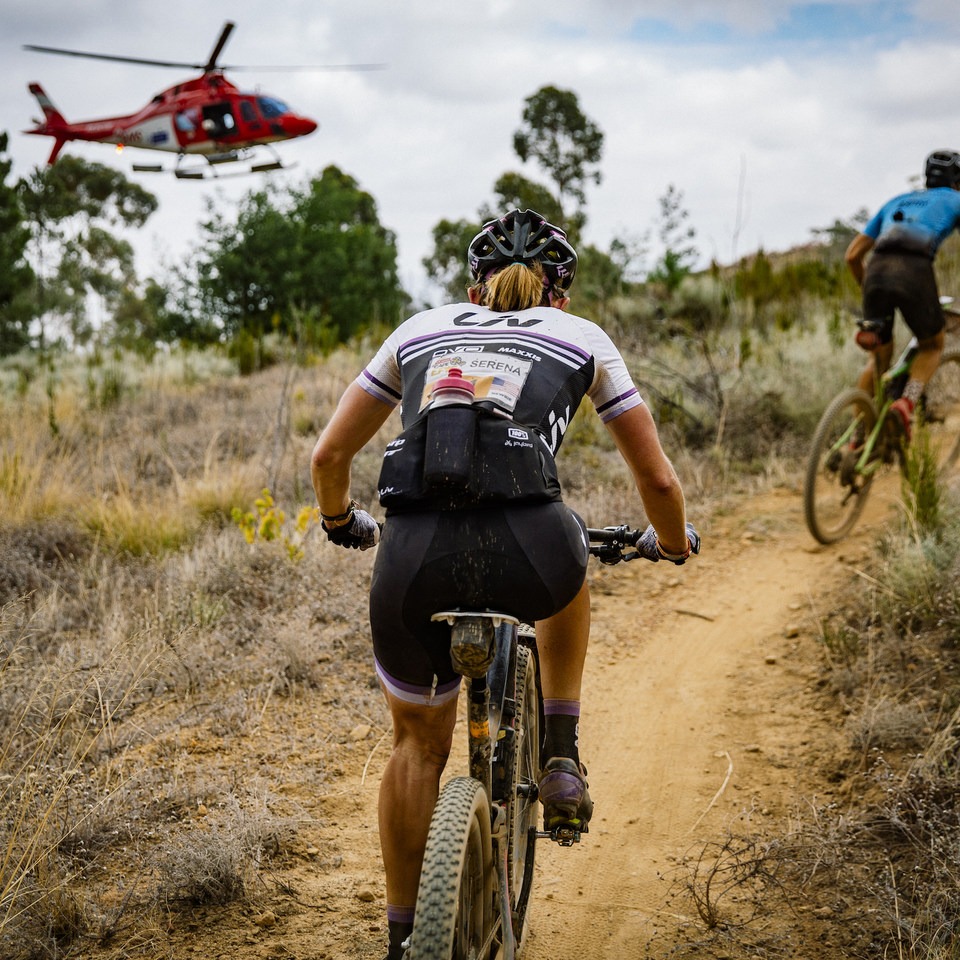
point(484, 648)
point(876, 441)
point(477, 872)
point(857, 435)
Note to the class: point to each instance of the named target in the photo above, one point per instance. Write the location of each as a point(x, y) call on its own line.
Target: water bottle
point(451, 433)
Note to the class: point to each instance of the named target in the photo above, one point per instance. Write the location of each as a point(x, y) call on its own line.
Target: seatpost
point(478, 723)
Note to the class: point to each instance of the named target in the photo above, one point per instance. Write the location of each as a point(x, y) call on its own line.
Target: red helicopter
point(206, 116)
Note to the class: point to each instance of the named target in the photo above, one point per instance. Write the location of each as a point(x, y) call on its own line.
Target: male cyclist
point(905, 236)
point(502, 537)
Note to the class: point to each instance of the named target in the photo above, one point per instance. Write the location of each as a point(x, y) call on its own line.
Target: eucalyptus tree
point(16, 276)
point(566, 144)
point(76, 212)
point(312, 258)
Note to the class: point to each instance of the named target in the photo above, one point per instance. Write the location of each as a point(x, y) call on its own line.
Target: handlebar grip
point(609, 544)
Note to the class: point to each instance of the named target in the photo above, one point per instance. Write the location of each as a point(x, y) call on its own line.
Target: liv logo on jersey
point(473, 320)
point(558, 427)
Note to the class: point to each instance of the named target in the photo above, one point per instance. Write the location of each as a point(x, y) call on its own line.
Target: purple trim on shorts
point(564, 708)
point(435, 696)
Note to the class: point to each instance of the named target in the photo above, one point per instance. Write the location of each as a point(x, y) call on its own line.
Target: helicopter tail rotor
point(53, 125)
point(52, 117)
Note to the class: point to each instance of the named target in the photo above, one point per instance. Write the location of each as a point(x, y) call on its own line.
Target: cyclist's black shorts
point(903, 281)
point(528, 561)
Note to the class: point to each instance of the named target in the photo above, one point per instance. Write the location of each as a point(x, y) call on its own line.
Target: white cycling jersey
point(535, 365)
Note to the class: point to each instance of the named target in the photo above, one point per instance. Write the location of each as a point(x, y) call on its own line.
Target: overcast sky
point(772, 117)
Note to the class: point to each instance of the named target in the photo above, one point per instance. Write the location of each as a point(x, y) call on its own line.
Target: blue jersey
point(916, 222)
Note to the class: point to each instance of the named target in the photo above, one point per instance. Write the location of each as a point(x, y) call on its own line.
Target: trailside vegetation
point(160, 594)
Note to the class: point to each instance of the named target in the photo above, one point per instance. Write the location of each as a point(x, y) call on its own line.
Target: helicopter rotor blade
point(276, 68)
point(211, 63)
point(114, 57)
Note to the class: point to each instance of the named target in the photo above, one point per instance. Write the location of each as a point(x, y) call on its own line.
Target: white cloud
point(766, 140)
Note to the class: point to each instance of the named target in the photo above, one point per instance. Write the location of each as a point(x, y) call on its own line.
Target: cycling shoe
point(564, 794)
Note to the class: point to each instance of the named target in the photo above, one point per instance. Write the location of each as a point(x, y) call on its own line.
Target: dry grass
point(893, 662)
point(142, 635)
point(139, 629)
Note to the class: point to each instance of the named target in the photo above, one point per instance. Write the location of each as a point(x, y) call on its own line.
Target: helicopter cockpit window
point(185, 122)
point(247, 112)
point(270, 107)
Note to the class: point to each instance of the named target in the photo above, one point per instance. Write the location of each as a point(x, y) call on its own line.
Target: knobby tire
point(525, 806)
point(455, 899)
point(833, 496)
point(941, 410)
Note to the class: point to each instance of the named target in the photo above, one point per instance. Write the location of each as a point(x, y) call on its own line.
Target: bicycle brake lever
point(610, 553)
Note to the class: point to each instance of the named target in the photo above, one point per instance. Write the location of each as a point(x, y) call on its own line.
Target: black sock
point(398, 933)
point(561, 736)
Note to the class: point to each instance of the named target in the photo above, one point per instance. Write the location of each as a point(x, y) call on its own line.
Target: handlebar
point(608, 544)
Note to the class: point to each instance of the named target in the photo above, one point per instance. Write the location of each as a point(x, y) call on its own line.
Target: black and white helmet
point(942, 169)
point(523, 236)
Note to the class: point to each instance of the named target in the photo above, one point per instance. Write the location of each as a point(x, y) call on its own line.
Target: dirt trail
point(698, 709)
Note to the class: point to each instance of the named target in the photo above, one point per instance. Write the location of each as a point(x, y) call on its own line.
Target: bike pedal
point(565, 834)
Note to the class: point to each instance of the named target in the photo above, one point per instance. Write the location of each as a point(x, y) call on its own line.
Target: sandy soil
point(701, 714)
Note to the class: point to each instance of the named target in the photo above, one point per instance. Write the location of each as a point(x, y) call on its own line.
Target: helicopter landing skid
point(212, 170)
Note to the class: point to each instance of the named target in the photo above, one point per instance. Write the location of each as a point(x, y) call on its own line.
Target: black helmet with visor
point(523, 236)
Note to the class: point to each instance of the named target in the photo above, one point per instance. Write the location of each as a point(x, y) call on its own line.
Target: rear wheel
point(941, 409)
point(834, 491)
point(455, 899)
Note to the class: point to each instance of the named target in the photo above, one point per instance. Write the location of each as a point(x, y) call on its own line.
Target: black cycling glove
point(648, 546)
point(361, 533)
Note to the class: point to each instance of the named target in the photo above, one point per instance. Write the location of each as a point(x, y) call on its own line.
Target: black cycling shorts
point(903, 281)
point(528, 561)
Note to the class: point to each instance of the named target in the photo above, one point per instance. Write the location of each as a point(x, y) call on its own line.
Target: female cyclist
point(500, 536)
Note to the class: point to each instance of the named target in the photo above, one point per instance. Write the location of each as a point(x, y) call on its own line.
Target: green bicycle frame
point(867, 464)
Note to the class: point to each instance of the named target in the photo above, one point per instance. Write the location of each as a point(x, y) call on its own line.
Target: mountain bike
point(477, 873)
point(857, 438)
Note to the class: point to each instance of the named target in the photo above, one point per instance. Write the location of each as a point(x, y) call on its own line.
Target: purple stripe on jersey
point(616, 401)
point(426, 338)
point(381, 387)
point(572, 347)
point(500, 333)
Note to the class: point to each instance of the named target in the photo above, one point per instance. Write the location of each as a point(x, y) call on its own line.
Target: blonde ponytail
point(515, 287)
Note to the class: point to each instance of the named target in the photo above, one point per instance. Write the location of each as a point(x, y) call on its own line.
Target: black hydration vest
point(492, 460)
